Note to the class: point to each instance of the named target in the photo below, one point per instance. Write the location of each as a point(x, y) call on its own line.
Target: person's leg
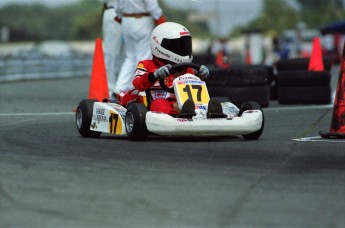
point(124, 81)
point(162, 105)
point(111, 45)
point(143, 38)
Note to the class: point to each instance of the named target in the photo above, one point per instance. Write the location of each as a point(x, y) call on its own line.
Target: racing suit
point(138, 18)
point(162, 101)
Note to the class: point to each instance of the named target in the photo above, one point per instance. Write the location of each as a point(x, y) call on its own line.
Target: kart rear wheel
point(84, 117)
point(252, 105)
point(135, 122)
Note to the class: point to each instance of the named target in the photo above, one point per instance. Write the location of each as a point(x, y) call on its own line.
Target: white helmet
point(172, 42)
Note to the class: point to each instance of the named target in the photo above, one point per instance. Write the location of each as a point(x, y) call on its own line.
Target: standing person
point(113, 43)
point(221, 50)
point(138, 19)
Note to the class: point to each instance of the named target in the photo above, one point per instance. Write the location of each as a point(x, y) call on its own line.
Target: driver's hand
point(203, 72)
point(162, 72)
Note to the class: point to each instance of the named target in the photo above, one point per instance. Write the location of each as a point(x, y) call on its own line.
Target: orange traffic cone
point(248, 58)
point(305, 54)
point(220, 60)
point(98, 83)
point(337, 129)
point(316, 61)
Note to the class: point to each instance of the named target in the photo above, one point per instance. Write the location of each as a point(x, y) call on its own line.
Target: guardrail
point(24, 68)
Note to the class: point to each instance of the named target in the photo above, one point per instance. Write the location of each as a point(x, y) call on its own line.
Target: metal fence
point(37, 67)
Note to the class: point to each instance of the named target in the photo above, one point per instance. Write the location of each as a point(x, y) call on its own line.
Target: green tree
point(79, 21)
point(37, 22)
point(87, 25)
point(318, 12)
point(317, 4)
point(199, 29)
point(276, 15)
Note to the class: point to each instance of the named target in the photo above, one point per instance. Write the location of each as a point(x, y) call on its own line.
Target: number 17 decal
point(115, 124)
point(198, 93)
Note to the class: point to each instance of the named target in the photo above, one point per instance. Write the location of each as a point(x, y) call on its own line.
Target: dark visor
point(181, 46)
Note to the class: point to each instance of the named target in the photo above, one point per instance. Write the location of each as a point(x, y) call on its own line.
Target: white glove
point(162, 72)
point(203, 72)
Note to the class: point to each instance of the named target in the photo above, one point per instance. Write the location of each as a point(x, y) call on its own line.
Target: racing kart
point(130, 114)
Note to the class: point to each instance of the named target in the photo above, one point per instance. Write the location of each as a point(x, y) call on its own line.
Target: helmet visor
point(181, 46)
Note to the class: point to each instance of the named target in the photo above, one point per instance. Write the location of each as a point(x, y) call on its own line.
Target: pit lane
point(50, 176)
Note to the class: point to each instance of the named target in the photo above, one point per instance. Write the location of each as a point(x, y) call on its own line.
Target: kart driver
point(171, 43)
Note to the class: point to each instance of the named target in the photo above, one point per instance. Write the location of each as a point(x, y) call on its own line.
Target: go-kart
point(131, 116)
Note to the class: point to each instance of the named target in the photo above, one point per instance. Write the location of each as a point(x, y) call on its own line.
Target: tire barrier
point(300, 64)
point(240, 83)
point(304, 95)
point(237, 76)
point(303, 78)
point(295, 84)
point(303, 87)
point(204, 59)
point(240, 94)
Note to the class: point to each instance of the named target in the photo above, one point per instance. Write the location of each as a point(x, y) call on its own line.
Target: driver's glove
point(162, 72)
point(203, 72)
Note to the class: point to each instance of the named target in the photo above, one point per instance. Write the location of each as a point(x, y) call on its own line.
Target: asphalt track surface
point(52, 177)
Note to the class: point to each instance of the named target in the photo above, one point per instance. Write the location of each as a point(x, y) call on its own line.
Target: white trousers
point(112, 46)
point(136, 33)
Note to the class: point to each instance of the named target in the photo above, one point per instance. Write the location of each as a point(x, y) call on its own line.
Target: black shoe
point(113, 98)
point(214, 109)
point(187, 110)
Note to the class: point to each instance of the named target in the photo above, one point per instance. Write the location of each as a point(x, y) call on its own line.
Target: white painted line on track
point(17, 123)
point(38, 114)
point(317, 139)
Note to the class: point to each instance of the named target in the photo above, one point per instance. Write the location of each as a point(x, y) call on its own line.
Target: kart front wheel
point(252, 105)
point(84, 117)
point(135, 122)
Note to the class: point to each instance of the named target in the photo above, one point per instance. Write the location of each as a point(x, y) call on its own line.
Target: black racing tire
point(237, 76)
point(273, 90)
point(269, 69)
point(304, 95)
point(240, 94)
point(300, 64)
point(135, 122)
point(84, 118)
point(203, 59)
point(222, 99)
point(303, 78)
point(270, 72)
point(252, 105)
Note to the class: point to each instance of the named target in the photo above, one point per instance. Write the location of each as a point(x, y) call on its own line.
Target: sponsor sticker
point(140, 72)
point(100, 116)
point(188, 77)
point(183, 120)
point(155, 39)
point(202, 107)
point(184, 33)
point(100, 111)
point(193, 82)
point(140, 65)
point(93, 125)
point(160, 94)
point(162, 53)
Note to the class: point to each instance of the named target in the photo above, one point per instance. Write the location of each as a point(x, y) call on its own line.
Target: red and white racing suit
point(162, 101)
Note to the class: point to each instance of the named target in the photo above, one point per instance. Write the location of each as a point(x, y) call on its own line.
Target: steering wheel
point(178, 67)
